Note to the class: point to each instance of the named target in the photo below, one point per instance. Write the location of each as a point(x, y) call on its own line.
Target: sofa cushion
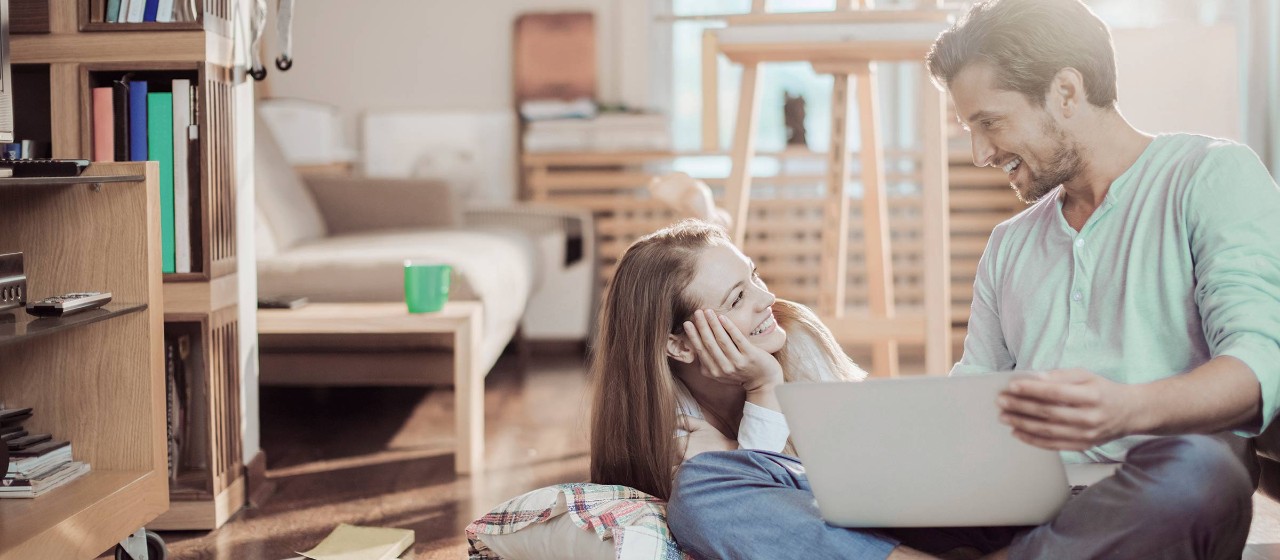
point(496, 267)
point(283, 201)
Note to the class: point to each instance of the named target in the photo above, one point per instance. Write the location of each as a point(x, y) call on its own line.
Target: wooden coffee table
point(461, 319)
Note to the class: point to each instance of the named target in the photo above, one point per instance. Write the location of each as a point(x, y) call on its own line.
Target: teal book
point(113, 11)
point(160, 148)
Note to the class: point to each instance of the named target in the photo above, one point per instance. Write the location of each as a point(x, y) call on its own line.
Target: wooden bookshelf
point(98, 380)
point(81, 51)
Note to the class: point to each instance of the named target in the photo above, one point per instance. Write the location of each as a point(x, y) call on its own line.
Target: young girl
point(690, 348)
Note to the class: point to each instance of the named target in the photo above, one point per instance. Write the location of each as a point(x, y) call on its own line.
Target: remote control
point(45, 167)
point(67, 304)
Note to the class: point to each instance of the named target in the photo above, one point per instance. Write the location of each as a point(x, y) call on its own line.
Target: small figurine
point(793, 117)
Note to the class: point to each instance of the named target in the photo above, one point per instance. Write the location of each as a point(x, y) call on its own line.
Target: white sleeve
point(762, 429)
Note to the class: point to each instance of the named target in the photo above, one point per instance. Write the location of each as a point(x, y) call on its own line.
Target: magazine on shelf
point(43, 482)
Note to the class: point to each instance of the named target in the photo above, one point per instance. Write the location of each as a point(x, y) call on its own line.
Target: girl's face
point(726, 282)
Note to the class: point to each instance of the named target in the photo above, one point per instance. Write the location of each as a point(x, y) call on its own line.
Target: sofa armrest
point(355, 204)
point(576, 224)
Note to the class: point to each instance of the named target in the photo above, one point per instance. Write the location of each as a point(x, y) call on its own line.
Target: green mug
point(426, 286)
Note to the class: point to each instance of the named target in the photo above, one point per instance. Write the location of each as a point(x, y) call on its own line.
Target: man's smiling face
point(1011, 133)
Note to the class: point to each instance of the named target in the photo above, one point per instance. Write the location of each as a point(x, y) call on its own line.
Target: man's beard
point(1060, 168)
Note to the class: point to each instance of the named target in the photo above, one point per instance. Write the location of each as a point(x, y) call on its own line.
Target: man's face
point(1010, 133)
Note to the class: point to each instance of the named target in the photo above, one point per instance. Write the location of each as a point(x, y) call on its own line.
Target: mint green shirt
point(1180, 264)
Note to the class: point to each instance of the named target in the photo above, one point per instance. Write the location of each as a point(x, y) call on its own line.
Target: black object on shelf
point(45, 167)
point(26, 327)
point(13, 282)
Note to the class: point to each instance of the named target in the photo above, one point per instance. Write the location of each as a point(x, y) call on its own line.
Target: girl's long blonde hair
point(634, 407)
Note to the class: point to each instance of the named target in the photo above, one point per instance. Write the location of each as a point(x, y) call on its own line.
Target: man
point(1143, 284)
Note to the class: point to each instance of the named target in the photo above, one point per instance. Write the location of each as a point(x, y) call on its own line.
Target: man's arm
point(1233, 223)
point(985, 350)
point(1073, 410)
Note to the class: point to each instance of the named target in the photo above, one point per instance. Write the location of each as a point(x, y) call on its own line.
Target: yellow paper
point(349, 542)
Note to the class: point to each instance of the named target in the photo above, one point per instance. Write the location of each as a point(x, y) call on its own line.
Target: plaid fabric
point(637, 522)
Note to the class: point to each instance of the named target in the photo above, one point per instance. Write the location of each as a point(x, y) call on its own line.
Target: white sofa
point(345, 239)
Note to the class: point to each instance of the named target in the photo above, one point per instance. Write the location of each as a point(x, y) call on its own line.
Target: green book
point(160, 148)
point(113, 11)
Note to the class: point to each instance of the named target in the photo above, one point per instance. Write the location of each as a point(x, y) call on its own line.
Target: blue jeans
point(1175, 497)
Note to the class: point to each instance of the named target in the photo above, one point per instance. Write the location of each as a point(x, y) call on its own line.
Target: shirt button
point(1076, 296)
point(1079, 243)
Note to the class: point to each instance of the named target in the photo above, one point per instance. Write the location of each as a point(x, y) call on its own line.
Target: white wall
point(441, 54)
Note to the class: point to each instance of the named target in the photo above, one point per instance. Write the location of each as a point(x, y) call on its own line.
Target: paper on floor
point(349, 542)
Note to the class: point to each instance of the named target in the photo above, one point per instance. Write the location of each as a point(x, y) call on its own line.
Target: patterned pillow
point(533, 526)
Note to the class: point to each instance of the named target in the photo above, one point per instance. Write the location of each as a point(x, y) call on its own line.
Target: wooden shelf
point(7, 182)
point(17, 326)
point(144, 26)
point(83, 518)
point(94, 378)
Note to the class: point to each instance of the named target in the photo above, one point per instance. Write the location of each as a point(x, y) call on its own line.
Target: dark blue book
point(153, 6)
point(138, 121)
point(120, 114)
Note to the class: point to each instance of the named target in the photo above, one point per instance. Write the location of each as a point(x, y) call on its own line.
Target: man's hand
point(702, 437)
point(1068, 410)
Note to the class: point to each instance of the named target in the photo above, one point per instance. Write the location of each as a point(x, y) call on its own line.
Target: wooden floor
point(383, 457)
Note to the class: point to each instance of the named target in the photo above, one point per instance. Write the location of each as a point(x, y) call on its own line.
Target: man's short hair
point(1027, 42)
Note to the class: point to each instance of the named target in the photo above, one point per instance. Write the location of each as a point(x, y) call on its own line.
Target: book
point(160, 148)
point(26, 466)
point(113, 11)
point(137, 120)
point(136, 10)
point(173, 385)
point(43, 482)
point(10, 416)
point(150, 10)
point(181, 182)
point(350, 542)
point(164, 12)
point(104, 127)
point(120, 112)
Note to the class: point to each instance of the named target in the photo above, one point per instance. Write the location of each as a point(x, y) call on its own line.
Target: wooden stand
point(81, 52)
point(849, 59)
point(459, 320)
point(99, 385)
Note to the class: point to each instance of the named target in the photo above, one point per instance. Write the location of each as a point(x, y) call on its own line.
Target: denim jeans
point(1175, 497)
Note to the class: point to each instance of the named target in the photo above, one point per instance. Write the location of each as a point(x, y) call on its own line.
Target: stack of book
point(37, 463)
point(140, 120)
point(139, 11)
point(606, 132)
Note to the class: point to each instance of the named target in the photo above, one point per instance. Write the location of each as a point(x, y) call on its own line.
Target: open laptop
point(922, 452)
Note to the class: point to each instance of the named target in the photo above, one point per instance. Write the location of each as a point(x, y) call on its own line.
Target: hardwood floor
point(383, 457)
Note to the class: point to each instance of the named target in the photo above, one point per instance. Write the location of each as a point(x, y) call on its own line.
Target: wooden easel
point(851, 62)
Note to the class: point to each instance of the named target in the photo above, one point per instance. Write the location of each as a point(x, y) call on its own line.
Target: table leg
point(468, 387)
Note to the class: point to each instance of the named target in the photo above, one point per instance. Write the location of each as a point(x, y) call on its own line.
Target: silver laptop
point(922, 452)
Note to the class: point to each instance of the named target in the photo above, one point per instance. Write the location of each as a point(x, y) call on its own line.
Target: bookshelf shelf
point(61, 67)
point(96, 378)
point(16, 326)
point(7, 182)
point(80, 520)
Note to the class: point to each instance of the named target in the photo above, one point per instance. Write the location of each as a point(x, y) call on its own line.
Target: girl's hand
point(725, 354)
point(700, 437)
